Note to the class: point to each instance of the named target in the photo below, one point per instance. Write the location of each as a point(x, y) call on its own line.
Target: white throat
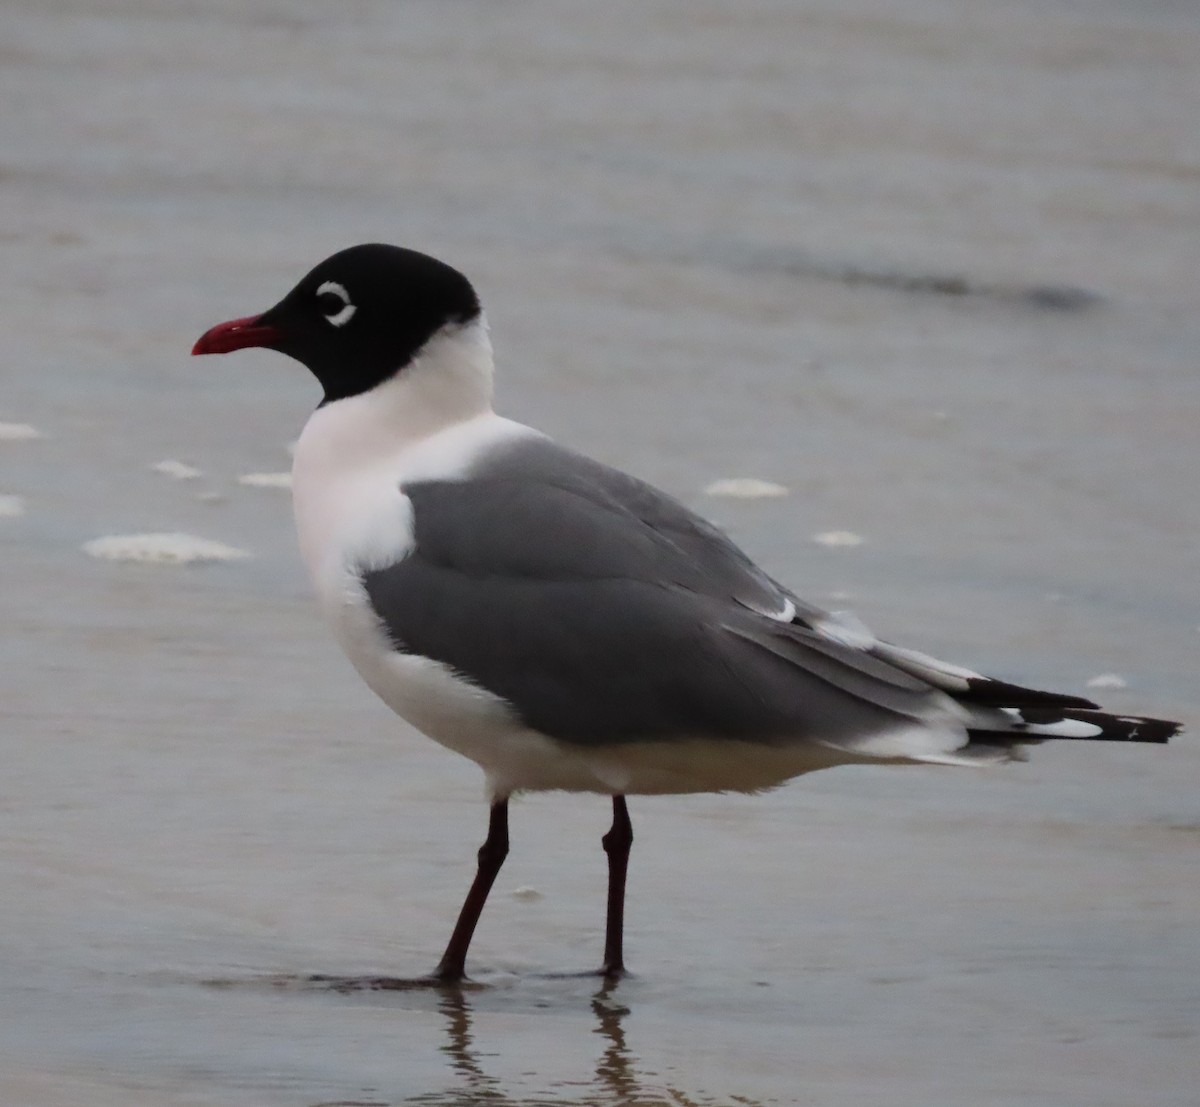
point(448, 382)
point(427, 422)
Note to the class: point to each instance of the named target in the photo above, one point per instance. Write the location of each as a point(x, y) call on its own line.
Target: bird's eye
point(333, 301)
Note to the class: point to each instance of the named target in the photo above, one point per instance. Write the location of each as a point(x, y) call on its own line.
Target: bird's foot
point(610, 974)
point(433, 980)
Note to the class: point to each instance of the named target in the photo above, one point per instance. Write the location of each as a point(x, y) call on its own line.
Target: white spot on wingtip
point(161, 549)
point(838, 538)
point(11, 506)
point(1108, 680)
point(745, 488)
point(1069, 728)
point(18, 432)
point(177, 470)
point(266, 480)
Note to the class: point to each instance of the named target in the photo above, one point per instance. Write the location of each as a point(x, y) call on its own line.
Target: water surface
point(932, 269)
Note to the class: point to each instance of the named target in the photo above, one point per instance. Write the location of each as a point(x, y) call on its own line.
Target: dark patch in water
point(750, 258)
point(1046, 297)
point(1062, 298)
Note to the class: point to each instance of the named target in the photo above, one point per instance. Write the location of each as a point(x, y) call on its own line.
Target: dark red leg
point(452, 967)
point(616, 844)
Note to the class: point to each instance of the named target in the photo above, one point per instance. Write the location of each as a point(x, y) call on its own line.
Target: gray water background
point(932, 266)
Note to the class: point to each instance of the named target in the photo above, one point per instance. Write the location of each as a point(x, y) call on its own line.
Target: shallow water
point(931, 270)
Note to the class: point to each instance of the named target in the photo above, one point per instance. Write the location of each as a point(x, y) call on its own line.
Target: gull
point(567, 626)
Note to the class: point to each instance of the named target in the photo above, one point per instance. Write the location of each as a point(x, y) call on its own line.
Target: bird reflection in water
point(615, 1082)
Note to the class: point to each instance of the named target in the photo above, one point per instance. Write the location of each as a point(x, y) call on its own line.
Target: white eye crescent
point(331, 290)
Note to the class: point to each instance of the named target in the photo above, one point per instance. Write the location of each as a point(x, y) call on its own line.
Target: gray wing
point(632, 528)
point(603, 611)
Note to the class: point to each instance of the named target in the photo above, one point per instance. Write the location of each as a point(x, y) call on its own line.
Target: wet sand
point(932, 271)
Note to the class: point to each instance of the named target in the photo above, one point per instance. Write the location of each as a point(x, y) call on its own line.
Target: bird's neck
point(449, 382)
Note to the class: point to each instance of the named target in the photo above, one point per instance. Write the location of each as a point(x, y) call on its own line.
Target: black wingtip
point(1113, 728)
point(1000, 693)
point(1157, 730)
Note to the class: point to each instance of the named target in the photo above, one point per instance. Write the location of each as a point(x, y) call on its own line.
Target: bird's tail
point(1001, 717)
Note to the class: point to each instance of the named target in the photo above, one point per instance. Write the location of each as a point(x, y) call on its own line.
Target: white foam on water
point(212, 497)
point(745, 488)
point(838, 538)
point(11, 506)
point(526, 894)
point(161, 549)
point(177, 470)
point(1108, 680)
point(266, 480)
point(18, 432)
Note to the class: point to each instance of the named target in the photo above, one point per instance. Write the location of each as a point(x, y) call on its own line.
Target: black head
point(358, 318)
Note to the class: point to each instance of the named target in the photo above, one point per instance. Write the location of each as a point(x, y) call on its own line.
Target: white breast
point(431, 421)
point(347, 491)
point(350, 466)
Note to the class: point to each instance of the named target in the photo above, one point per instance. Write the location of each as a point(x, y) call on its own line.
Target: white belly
point(479, 725)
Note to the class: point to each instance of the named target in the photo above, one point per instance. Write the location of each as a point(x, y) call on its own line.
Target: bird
point(565, 625)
